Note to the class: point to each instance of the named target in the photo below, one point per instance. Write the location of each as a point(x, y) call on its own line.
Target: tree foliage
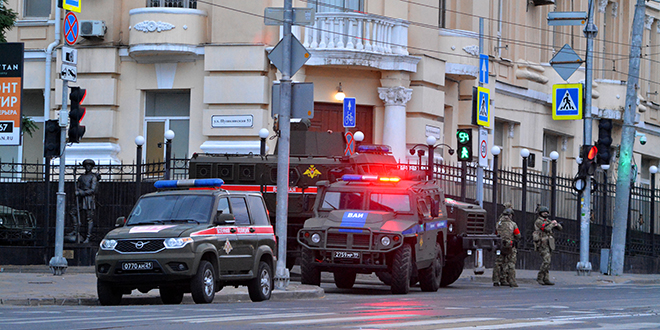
point(7, 18)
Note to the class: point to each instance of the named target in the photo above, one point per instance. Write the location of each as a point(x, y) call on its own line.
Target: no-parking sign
point(71, 28)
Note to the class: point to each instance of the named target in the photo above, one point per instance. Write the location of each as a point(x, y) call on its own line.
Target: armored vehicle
point(190, 236)
point(16, 226)
point(399, 229)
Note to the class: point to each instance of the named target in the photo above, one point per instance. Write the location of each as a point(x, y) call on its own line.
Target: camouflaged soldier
point(544, 242)
point(504, 272)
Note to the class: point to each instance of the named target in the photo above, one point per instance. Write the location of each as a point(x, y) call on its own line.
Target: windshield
point(171, 208)
point(390, 202)
point(334, 200)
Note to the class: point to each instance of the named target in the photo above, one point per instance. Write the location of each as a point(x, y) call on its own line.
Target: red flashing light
point(592, 153)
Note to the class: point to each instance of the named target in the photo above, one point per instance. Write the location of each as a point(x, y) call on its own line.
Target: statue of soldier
point(504, 272)
point(544, 242)
point(86, 188)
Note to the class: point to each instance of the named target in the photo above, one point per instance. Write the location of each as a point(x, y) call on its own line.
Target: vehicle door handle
point(252, 230)
point(233, 230)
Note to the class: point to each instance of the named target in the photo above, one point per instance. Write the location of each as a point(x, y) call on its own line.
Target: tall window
point(172, 3)
point(36, 8)
point(442, 19)
point(550, 144)
point(337, 5)
point(167, 110)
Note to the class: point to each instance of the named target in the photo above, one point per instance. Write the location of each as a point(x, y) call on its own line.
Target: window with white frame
point(172, 3)
point(550, 144)
point(36, 8)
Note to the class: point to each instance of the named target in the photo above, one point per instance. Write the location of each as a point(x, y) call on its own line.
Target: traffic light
point(52, 138)
point(604, 141)
point(464, 137)
point(76, 114)
point(588, 166)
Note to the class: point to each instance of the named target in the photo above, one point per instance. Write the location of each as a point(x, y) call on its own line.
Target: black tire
point(431, 277)
point(345, 279)
point(202, 286)
point(401, 270)
point(108, 294)
point(261, 287)
point(385, 277)
point(309, 274)
point(452, 271)
point(170, 295)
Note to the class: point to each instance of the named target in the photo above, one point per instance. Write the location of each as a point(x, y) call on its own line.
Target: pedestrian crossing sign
point(567, 101)
point(483, 107)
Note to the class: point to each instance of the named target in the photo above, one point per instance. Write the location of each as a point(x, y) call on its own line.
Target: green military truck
point(399, 229)
point(193, 237)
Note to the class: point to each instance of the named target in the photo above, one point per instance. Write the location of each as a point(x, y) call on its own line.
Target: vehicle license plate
point(143, 265)
point(347, 255)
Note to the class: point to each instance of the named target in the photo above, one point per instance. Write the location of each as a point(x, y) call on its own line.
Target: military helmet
point(88, 161)
point(543, 209)
point(507, 211)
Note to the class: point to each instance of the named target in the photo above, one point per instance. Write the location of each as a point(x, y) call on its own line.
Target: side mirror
point(120, 222)
point(224, 219)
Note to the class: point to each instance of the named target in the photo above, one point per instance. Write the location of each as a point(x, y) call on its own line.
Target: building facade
point(200, 68)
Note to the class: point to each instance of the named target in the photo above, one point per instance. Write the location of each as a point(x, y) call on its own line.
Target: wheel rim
point(208, 282)
point(265, 282)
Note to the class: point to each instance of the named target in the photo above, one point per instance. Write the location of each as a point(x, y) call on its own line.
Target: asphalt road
point(464, 305)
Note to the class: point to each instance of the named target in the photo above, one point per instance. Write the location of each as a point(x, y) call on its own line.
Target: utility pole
point(590, 32)
point(58, 263)
point(281, 221)
point(619, 220)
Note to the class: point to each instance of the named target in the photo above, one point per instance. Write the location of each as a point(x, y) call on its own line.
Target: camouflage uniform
point(544, 242)
point(504, 272)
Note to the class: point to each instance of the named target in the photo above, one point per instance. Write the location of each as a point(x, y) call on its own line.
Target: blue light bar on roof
point(374, 149)
point(369, 178)
point(192, 183)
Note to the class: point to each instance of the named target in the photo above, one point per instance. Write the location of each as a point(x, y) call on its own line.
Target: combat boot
point(513, 284)
point(546, 280)
point(540, 279)
point(496, 283)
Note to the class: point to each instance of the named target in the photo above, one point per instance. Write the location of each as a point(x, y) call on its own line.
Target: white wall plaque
point(221, 121)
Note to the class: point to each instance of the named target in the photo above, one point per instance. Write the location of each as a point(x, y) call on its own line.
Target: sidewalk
point(35, 285)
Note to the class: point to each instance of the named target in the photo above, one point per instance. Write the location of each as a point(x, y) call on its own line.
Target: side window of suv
point(258, 211)
point(239, 207)
point(223, 206)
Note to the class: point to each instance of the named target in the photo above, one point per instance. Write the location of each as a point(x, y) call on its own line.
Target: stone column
point(394, 130)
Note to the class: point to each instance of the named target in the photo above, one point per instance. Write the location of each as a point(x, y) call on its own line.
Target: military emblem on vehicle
point(312, 172)
point(227, 246)
point(139, 244)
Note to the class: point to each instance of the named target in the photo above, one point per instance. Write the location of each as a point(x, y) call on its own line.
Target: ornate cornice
point(153, 26)
point(472, 50)
point(648, 21)
point(602, 5)
point(395, 95)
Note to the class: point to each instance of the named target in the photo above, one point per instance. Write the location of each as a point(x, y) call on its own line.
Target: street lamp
point(263, 134)
point(339, 96)
point(359, 137)
point(653, 169)
point(553, 188)
point(496, 153)
point(524, 153)
point(169, 136)
point(430, 144)
point(139, 142)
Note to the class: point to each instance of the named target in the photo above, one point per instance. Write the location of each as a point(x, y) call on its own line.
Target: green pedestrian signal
point(464, 137)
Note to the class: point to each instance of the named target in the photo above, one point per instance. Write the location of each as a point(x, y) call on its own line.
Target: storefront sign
point(11, 90)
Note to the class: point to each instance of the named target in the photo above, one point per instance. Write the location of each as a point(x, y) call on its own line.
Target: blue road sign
point(349, 112)
point(71, 28)
point(567, 101)
point(483, 107)
point(483, 68)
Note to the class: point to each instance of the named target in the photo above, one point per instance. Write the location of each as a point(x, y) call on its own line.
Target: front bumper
point(166, 267)
point(487, 242)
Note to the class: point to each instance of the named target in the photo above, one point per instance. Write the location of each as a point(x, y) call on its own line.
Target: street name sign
point(301, 16)
point(299, 55)
point(349, 112)
point(565, 62)
point(567, 101)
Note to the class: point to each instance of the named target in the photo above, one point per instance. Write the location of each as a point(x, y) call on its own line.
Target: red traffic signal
point(588, 166)
point(593, 151)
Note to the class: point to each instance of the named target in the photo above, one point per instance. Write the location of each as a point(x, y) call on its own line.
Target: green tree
point(7, 19)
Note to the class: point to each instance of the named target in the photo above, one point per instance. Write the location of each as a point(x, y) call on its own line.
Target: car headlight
point(316, 238)
point(108, 244)
point(385, 240)
point(177, 243)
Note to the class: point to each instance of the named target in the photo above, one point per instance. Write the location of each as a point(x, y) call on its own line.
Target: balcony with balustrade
point(167, 30)
point(356, 39)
